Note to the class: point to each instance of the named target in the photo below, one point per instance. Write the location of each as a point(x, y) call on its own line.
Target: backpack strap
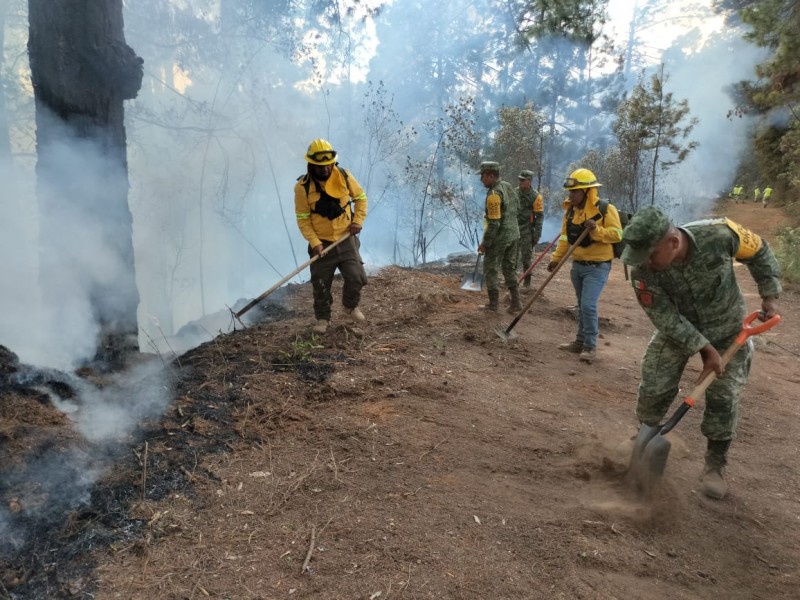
point(602, 206)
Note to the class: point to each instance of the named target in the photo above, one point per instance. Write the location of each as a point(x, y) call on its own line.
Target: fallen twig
point(432, 449)
point(144, 473)
point(310, 550)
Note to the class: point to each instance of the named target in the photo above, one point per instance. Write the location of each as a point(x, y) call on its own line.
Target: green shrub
point(787, 252)
point(301, 350)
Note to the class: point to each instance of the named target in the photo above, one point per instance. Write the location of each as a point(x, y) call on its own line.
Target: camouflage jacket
point(698, 301)
point(525, 201)
point(500, 218)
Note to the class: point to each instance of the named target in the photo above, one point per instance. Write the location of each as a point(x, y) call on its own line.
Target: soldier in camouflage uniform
point(500, 236)
point(683, 278)
point(530, 218)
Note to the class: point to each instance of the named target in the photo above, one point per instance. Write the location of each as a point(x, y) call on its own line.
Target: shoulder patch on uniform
point(643, 294)
point(749, 242)
point(494, 206)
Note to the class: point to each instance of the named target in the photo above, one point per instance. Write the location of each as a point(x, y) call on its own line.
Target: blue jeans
point(588, 281)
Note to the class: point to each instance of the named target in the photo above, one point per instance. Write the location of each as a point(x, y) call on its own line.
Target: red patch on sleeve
point(643, 295)
point(645, 298)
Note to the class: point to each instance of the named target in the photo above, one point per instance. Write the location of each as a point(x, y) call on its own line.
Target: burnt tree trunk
point(82, 70)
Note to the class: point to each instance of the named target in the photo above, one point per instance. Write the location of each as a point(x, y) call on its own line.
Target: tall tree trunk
point(82, 70)
point(5, 143)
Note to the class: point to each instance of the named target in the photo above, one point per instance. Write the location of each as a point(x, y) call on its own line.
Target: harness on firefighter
point(327, 206)
point(574, 231)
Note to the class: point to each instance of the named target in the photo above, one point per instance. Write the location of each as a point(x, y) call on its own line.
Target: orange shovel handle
point(748, 329)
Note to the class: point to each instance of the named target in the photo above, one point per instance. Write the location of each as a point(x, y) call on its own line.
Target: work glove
point(552, 266)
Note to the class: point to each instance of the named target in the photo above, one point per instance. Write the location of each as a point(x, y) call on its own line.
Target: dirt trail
point(431, 460)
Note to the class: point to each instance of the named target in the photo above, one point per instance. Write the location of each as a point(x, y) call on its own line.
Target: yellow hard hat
point(581, 179)
point(320, 152)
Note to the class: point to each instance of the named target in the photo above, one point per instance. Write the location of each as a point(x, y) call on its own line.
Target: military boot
point(516, 305)
point(713, 481)
point(494, 301)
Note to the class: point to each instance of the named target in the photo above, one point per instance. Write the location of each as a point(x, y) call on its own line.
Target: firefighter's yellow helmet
point(320, 152)
point(581, 179)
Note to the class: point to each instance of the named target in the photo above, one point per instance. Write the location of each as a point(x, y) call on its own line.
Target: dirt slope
point(428, 459)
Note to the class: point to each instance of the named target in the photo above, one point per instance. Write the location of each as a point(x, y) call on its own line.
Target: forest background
point(673, 107)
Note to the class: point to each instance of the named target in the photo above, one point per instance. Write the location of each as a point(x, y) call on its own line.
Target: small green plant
point(301, 350)
point(788, 253)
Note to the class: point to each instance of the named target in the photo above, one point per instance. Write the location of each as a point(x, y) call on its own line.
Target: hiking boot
point(714, 484)
point(516, 305)
point(356, 314)
point(713, 480)
point(588, 355)
point(492, 306)
point(321, 326)
point(494, 301)
point(575, 347)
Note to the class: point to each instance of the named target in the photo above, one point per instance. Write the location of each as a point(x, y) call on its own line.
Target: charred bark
point(82, 70)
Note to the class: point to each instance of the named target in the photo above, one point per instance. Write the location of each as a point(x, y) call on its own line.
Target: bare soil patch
point(425, 458)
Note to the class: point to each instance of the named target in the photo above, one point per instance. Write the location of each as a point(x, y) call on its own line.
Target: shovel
point(536, 262)
point(314, 258)
point(507, 334)
point(651, 448)
point(474, 282)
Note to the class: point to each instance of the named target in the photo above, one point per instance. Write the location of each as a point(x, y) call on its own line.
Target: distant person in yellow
point(766, 196)
point(322, 202)
point(756, 194)
point(737, 193)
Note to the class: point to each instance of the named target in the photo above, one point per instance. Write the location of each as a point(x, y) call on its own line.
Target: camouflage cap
point(525, 174)
point(489, 166)
point(643, 233)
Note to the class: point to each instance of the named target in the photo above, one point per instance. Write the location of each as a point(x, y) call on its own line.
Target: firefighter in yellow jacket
point(330, 203)
point(591, 261)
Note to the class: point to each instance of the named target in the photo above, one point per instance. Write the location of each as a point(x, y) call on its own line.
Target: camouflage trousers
point(662, 368)
point(525, 248)
point(347, 259)
point(502, 256)
point(536, 235)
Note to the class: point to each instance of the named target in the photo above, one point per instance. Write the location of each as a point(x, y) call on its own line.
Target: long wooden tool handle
point(538, 292)
point(255, 301)
point(747, 331)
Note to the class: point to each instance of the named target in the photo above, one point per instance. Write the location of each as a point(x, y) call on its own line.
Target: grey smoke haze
point(703, 79)
point(215, 147)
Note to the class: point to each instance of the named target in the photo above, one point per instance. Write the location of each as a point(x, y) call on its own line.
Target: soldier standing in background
point(684, 280)
point(525, 197)
point(500, 236)
point(530, 218)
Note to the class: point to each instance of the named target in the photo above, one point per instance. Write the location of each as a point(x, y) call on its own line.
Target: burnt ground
point(414, 456)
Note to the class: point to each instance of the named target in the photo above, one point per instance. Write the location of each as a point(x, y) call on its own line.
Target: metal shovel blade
point(473, 282)
point(505, 334)
point(648, 459)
